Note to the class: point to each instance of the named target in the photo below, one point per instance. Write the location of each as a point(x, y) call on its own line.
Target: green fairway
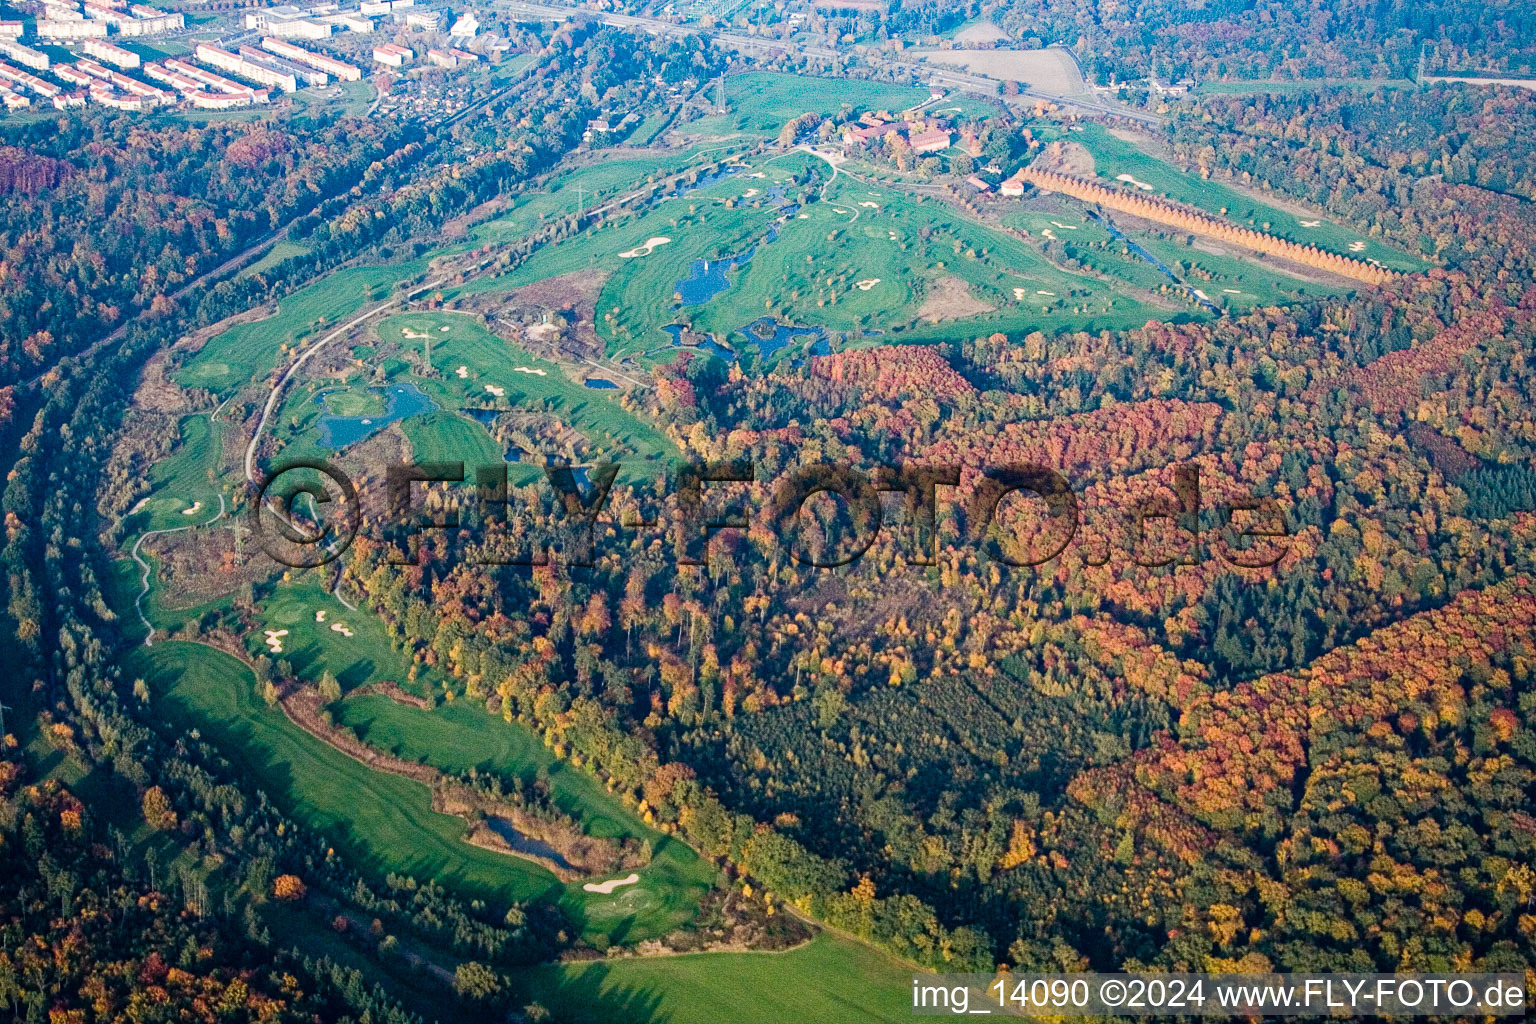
point(280, 251)
point(830, 980)
point(854, 259)
point(451, 437)
point(248, 352)
point(473, 369)
point(457, 737)
point(1224, 277)
point(615, 174)
point(1114, 156)
point(312, 646)
point(184, 492)
point(1305, 85)
point(382, 821)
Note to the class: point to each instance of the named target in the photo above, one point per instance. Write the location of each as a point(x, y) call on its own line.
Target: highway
point(949, 77)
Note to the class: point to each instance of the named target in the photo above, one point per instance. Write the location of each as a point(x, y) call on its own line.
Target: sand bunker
point(414, 335)
point(893, 235)
point(275, 639)
point(529, 369)
point(1310, 223)
point(749, 193)
point(1064, 227)
point(1047, 233)
point(650, 246)
point(1139, 184)
point(865, 286)
point(1040, 292)
point(462, 372)
point(606, 888)
point(340, 627)
point(805, 216)
point(193, 510)
point(140, 505)
point(871, 206)
point(498, 392)
point(1018, 294)
point(443, 328)
point(1232, 291)
point(320, 615)
point(1356, 246)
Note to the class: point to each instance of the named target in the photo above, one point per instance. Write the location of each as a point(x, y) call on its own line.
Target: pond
point(484, 417)
point(706, 278)
point(400, 402)
point(770, 336)
point(600, 383)
point(526, 844)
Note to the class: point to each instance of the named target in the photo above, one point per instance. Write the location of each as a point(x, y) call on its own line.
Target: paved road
point(144, 567)
point(954, 79)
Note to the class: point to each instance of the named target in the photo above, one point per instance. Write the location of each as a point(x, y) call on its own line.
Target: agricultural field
point(830, 980)
point(1049, 70)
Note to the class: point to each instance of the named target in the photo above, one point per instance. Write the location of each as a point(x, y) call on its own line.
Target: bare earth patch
point(1066, 157)
point(1049, 70)
point(950, 298)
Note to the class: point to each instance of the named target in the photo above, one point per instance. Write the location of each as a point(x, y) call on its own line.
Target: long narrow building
point(31, 81)
point(301, 72)
point(238, 65)
point(339, 69)
point(111, 54)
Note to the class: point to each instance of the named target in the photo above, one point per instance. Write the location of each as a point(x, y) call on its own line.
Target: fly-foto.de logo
point(1020, 516)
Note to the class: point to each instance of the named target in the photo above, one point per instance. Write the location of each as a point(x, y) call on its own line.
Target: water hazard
point(400, 402)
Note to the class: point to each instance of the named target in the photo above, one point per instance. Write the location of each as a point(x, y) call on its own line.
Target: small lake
point(484, 417)
point(400, 402)
point(525, 844)
point(600, 383)
point(770, 336)
point(706, 278)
